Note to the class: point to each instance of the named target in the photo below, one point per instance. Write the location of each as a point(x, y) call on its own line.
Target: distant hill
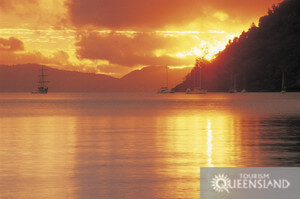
point(23, 78)
point(259, 56)
point(152, 78)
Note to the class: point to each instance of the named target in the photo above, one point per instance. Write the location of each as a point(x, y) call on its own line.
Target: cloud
point(13, 4)
point(61, 57)
point(155, 14)
point(33, 14)
point(11, 58)
point(12, 52)
point(115, 36)
point(220, 15)
point(11, 44)
point(134, 49)
point(118, 14)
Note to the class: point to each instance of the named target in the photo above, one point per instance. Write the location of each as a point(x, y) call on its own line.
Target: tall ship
point(42, 87)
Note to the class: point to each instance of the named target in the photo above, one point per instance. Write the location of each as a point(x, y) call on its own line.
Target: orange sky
point(117, 36)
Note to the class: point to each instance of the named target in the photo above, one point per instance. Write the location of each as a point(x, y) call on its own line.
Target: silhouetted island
point(22, 78)
point(257, 59)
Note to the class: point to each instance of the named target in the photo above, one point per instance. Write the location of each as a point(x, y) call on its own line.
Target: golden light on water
point(209, 144)
point(68, 145)
point(36, 149)
point(177, 143)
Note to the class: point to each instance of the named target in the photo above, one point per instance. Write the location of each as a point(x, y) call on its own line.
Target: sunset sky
point(117, 36)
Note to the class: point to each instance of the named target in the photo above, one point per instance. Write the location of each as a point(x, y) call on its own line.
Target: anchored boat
point(165, 89)
point(197, 89)
point(232, 88)
point(283, 88)
point(42, 88)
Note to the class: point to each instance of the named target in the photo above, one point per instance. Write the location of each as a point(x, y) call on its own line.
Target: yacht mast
point(42, 77)
point(200, 80)
point(167, 79)
point(283, 81)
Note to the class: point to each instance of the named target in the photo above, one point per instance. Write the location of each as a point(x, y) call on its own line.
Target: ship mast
point(200, 77)
point(167, 79)
point(283, 82)
point(43, 76)
point(42, 79)
point(198, 73)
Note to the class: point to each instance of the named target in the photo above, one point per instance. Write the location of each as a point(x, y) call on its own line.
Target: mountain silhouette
point(258, 58)
point(23, 78)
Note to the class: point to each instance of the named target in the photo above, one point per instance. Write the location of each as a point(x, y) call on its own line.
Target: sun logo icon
point(220, 183)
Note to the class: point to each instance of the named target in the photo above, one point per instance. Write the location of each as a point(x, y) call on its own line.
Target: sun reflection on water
point(209, 144)
point(135, 146)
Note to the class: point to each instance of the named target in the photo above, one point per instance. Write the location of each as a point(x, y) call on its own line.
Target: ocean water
point(138, 145)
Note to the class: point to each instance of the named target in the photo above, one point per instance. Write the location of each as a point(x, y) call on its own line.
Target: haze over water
point(138, 145)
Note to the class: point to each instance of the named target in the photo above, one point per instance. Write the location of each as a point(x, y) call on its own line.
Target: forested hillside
point(259, 56)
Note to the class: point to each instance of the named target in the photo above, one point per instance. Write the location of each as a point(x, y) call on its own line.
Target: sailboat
point(197, 80)
point(233, 84)
point(283, 88)
point(244, 90)
point(42, 88)
point(165, 89)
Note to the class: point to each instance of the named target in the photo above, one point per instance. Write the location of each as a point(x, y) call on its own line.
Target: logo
point(220, 183)
point(249, 182)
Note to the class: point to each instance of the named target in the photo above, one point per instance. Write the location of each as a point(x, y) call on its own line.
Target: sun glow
point(197, 52)
point(57, 34)
point(206, 49)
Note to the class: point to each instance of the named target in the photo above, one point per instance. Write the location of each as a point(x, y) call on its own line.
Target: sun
point(207, 51)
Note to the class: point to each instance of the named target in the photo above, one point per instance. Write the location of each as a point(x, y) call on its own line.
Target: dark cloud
point(131, 50)
point(141, 14)
point(11, 44)
point(120, 14)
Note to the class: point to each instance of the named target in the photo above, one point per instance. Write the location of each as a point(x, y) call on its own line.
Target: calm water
point(136, 146)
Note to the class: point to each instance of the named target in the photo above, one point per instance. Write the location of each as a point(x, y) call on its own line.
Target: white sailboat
point(42, 88)
point(165, 89)
point(244, 91)
point(197, 89)
point(233, 85)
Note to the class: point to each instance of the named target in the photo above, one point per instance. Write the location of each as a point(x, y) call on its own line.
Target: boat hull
point(196, 91)
point(164, 91)
point(41, 90)
point(232, 91)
